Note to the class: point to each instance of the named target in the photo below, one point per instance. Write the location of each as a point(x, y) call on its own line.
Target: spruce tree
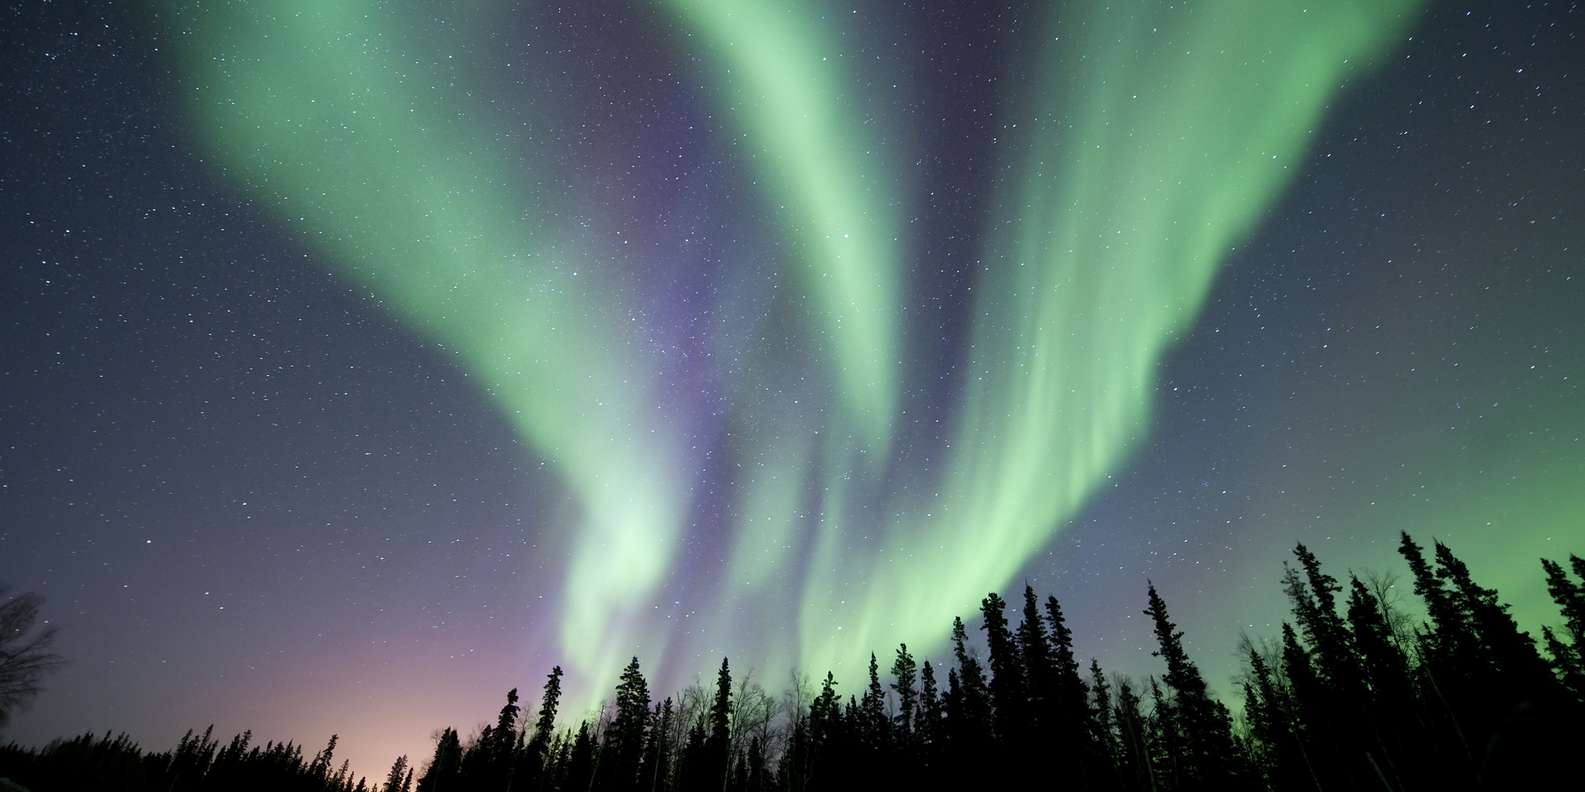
point(655, 770)
point(1505, 647)
point(1104, 735)
point(1070, 707)
point(1202, 724)
point(1451, 638)
point(719, 744)
point(1315, 606)
point(970, 726)
point(1168, 754)
point(873, 726)
point(1270, 712)
point(1008, 689)
point(504, 737)
point(320, 768)
point(1038, 665)
point(1570, 599)
point(1386, 669)
point(441, 775)
point(623, 745)
point(1566, 662)
point(904, 672)
point(929, 708)
point(545, 725)
point(1133, 750)
point(579, 767)
point(393, 779)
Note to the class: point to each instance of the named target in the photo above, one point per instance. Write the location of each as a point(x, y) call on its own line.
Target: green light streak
point(318, 110)
point(784, 80)
point(1154, 141)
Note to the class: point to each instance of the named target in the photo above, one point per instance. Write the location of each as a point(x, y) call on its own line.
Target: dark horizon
point(1358, 693)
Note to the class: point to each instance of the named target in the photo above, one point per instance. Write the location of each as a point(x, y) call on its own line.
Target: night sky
point(358, 363)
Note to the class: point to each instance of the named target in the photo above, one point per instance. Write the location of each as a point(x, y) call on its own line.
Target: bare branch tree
point(25, 653)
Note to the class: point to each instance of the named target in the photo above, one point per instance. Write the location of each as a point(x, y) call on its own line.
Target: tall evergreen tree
point(970, 726)
point(1505, 647)
point(393, 779)
point(1038, 665)
point(873, 725)
point(929, 708)
point(1071, 698)
point(1451, 636)
point(1008, 689)
point(1168, 753)
point(1133, 750)
point(1386, 669)
point(441, 775)
point(1104, 734)
point(505, 734)
point(579, 766)
point(655, 770)
point(545, 725)
point(1315, 606)
point(1567, 662)
point(1570, 599)
point(904, 672)
point(719, 744)
point(320, 767)
point(532, 767)
point(622, 748)
point(1270, 712)
point(1202, 723)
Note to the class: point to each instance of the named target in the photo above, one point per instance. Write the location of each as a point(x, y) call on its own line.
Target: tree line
point(1353, 694)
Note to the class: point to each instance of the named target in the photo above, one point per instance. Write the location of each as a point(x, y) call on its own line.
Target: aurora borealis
point(400, 353)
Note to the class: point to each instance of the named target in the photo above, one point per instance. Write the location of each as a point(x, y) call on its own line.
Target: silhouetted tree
point(26, 654)
point(904, 673)
point(1510, 651)
point(1074, 724)
point(623, 746)
point(1309, 722)
point(580, 761)
point(873, 725)
point(719, 743)
point(969, 701)
point(1008, 688)
point(1133, 750)
point(1570, 599)
point(442, 773)
point(655, 771)
point(320, 767)
point(1103, 733)
point(1038, 665)
point(929, 730)
point(393, 779)
point(1201, 723)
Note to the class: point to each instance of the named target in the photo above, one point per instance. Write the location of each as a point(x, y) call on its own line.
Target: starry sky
point(361, 360)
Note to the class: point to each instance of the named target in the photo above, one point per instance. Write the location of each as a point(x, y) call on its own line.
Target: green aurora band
point(1153, 139)
point(789, 91)
point(308, 105)
point(1148, 141)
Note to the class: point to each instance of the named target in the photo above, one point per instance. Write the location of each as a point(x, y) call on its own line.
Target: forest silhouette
point(1354, 693)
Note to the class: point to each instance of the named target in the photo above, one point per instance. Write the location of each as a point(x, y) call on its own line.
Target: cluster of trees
point(1354, 694)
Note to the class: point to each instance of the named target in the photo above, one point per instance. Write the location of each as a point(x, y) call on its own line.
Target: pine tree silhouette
point(904, 672)
point(1356, 700)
